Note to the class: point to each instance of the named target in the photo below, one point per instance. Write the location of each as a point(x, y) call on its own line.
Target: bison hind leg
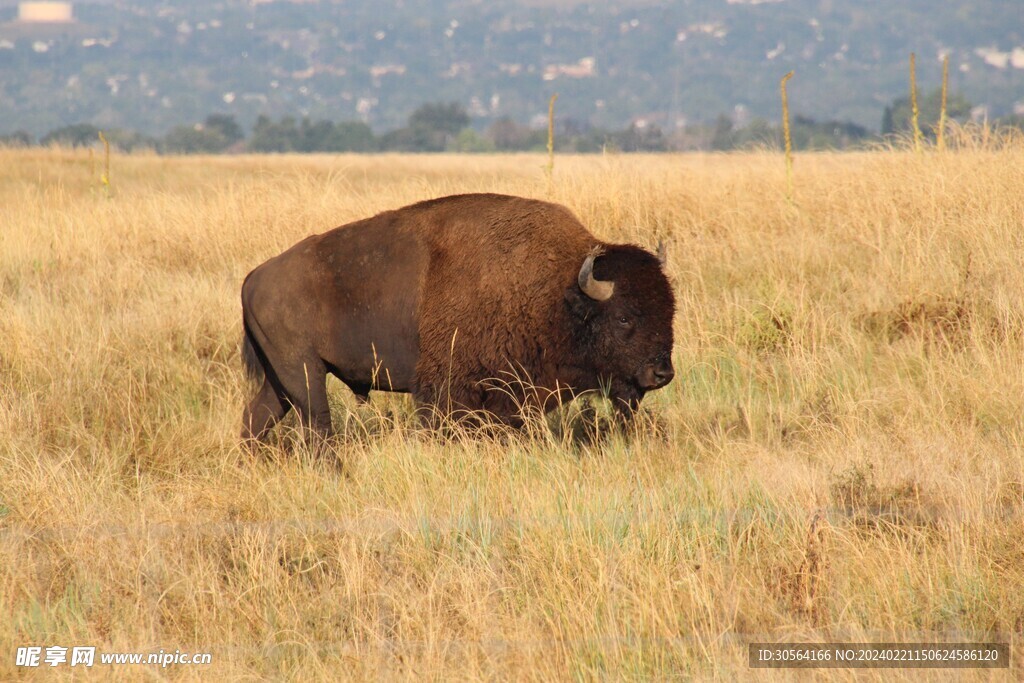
point(265, 410)
point(306, 386)
point(301, 385)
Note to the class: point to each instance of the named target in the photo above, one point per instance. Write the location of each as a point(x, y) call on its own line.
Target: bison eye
point(624, 321)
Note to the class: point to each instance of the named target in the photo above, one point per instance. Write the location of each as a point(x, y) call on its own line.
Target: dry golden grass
point(855, 356)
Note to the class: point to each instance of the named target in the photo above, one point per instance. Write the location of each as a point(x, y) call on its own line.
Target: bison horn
point(662, 252)
point(598, 290)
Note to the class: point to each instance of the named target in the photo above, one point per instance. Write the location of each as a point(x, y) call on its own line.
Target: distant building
point(584, 68)
point(44, 12)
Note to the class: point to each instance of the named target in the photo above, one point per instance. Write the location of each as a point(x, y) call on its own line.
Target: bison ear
point(579, 304)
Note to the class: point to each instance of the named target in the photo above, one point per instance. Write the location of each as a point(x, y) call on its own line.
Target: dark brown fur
point(460, 301)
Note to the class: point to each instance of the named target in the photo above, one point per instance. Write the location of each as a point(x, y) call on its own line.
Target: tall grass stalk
point(941, 132)
point(786, 135)
point(105, 178)
point(913, 103)
point(550, 168)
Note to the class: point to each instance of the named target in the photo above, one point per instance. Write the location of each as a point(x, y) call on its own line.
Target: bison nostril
point(663, 372)
point(657, 375)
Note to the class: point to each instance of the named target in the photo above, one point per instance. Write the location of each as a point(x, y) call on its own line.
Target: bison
point(448, 300)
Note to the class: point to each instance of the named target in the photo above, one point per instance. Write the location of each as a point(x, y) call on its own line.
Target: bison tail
point(251, 356)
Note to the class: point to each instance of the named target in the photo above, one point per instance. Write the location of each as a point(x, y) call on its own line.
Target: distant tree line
point(444, 126)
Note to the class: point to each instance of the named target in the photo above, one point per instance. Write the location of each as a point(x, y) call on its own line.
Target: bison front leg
point(626, 402)
point(443, 409)
point(625, 410)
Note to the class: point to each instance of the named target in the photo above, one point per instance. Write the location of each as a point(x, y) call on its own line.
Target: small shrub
point(945, 319)
point(767, 329)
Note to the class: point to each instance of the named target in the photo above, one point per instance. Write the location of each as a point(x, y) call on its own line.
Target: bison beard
point(484, 305)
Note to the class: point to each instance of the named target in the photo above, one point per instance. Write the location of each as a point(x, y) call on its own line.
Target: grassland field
point(840, 456)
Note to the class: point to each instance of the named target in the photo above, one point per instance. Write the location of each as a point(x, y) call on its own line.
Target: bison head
point(622, 306)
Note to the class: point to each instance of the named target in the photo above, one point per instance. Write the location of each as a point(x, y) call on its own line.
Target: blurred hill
point(149, 66)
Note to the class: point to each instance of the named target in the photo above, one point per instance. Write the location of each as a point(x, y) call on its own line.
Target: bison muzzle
point(479, 305)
